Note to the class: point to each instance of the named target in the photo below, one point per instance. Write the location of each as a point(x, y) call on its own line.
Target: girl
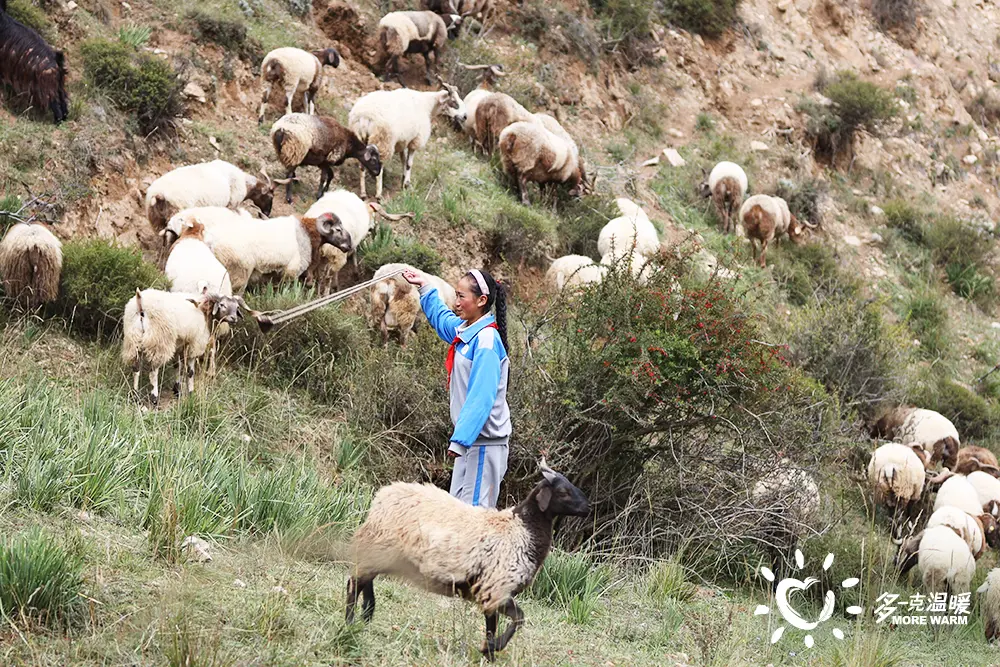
point(478, 368)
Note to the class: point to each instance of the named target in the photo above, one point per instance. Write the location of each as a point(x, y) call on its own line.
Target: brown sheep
point(31, 67)
point(31, 264)
point(402, 33)
point(530, 152)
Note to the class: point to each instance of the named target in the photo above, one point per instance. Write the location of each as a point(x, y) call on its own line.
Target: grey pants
point(477, 475)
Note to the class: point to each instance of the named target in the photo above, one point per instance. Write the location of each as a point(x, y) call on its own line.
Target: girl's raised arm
point(444, 321)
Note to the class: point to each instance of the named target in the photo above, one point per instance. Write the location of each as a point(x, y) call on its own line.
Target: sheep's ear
point(544, 498)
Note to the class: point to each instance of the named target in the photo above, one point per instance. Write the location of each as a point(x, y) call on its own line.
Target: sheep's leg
point(384, 331)
point(378, 184)
point(289, 94)
point(311, 93)
point(213, 345)
point(154, 381)
point(366, 588)
point(404, 333)
point(180, 373)
point(489, 646)
point(522, 189)
point(325, 179)
point(408, 158)
point(364, 194)
point(429, 61)
point(263, 102)
point(289, 174)
point(763, 253)
point(190, 375)
point(516, 616)
point(136, 371)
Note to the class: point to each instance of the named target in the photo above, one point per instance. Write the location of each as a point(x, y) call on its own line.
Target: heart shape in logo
point(788, 586)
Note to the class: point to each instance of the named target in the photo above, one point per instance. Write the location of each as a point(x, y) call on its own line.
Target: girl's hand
point(414, 278)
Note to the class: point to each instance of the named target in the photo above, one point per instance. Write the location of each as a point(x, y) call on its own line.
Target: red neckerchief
point(449, 361)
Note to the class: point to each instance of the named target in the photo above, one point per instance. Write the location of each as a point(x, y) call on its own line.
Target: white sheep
point(897, 473)
point(946, 562)
point(296, 71)
point(727, 185)
point(573, 271)
point(932, 430)
point(958, 492)
point(970, 528)
point(477, 95)
point(497, 111)
point(31, 264)
point(789, 501)
point(159, 325)
point(395, 303)
point(421, 533)
point(215, 183)
point(531, 152)
point(630, 232)
point(399, 121)
point(988, 489)
point(989, 605)
point(637, 263)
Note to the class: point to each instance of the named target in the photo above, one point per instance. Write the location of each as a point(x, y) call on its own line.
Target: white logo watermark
point(790, 585)
point(923, 609)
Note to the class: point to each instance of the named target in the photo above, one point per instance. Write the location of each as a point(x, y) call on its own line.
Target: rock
point(876, 211)
point(970, 159)
point(193, 90)
point(215, 143)
point(673, 157)
point(652, 162)
point(70, 6)
point(239, 583)
point(196, 549)
point(280, 590)
point(756, 102)
point(674, 132)
point(876, 238)
point(758, 146)
point(983, 137)
point(852, 240)
point(127, 7)
point(976, 148)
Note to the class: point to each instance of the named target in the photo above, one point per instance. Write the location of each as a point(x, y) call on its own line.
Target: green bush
point(803, 198)
point(307, 352)
point(519, 234)
point(562, 30)
point(39, 580)
point(229, 33)
point(906, 218)
point(845, 344)
point(572, 581)
point(973, 416)
point(963, 250)
point(811, 272)
point(98, 279)
point(928, 319)
point(10, 205)
point(135, 82)
point(855, 105)
point(384, 247)
point(581, 222)
point(896, 15)
point(706, 17)
point(667, 580)
point(134, 35)
point(29, 14)
point(626, 24)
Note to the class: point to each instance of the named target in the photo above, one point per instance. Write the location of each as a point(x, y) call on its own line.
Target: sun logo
point(787, 586)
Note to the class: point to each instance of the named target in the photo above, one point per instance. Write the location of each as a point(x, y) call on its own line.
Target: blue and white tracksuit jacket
point(478, 397)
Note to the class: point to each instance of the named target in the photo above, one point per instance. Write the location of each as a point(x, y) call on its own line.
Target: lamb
point(933, 431)
point(399, 121)
point(160, 325)
point(400, 33)
point(31, 67)
point(215, 183)
point(896, 473)
point(395, 303)
point(574, 271)
point(530, 152)
point(789, 499)
point(727, 185)
point(319, 141)
point(989, 606)
point(488, 556)
point(331, 261)
point(295, 70)
point(31, 264)
point(988, 490)
point(765, 218)
point(630, 232)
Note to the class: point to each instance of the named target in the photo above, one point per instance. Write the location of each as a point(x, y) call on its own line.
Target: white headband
point(478, 275)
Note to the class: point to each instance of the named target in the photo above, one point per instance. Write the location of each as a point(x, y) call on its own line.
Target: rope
point(269, 319)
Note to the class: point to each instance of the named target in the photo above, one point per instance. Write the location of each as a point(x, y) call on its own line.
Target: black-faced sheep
point(945, 560)
point(295, 70)
point(726, 185)
point(161, 325)
point(399, 121)
point(897, 473)
point(530, 152)
point(423, 534)
point(402, 33)
point(319, 141)
point(932, 430)
point(31, 264)
point(31, 67)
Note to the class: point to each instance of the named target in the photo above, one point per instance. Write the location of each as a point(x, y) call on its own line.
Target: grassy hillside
point(666, 401)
